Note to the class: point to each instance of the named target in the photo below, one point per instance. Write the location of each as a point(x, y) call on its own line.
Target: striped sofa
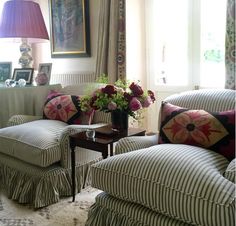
point(147, 183)
point(35, 163)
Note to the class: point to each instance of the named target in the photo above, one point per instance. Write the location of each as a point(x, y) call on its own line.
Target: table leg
point(111, 149)
point(73, 172)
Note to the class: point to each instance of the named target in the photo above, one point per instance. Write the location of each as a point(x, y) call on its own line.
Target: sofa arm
point(64, 140)
point(20, 119)
point(230, 172)
point(128, 144)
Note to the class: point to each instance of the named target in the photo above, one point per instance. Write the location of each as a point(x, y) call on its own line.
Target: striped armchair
point(35, 163)
point(166, 184)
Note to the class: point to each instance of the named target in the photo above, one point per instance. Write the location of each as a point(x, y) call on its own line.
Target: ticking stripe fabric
point(40, 186)
point(212, 100)
point(180, 181)
point(111, 211)
point(128, 144)
point(35, 142)
point(20, 119)
point(230, 172)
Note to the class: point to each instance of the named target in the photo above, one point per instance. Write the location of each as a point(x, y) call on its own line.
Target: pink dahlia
point(147, 101)
point(135, 104)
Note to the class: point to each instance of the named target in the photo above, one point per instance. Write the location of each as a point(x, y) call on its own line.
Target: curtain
point(111, 48)
point(230, 65)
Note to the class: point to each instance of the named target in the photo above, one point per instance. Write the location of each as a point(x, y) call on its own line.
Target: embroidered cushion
point(65, 108)
point(215, 131)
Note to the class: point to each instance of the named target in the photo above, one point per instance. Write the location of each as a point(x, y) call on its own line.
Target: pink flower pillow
point(214, 131)
point(65, 108)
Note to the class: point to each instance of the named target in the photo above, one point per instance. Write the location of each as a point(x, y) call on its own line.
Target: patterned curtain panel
point(230, 46)
point(111, 48)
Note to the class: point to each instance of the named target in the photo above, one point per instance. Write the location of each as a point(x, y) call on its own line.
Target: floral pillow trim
point(215, 131)
point(65, 108)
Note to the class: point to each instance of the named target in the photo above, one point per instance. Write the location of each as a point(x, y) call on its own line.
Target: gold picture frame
point(69, 27)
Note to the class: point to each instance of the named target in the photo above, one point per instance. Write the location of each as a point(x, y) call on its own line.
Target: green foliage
point(103, 78)
point(124, 84)
point(214, 55)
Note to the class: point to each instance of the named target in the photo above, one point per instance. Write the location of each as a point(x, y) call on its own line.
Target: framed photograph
point(46, 68)
point(5, 71)
point(24, 73)
point(69, 27)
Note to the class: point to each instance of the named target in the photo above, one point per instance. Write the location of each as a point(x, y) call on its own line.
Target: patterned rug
point(63, 213)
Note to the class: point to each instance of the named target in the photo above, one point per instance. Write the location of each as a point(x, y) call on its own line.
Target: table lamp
point(24, 20)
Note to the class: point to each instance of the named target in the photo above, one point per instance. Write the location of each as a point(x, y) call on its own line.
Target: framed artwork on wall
point(5, 71)
point(24, 73)
point(69, 27)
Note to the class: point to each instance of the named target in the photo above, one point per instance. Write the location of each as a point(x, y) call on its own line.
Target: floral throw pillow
point(214, 131)
point(65, 108)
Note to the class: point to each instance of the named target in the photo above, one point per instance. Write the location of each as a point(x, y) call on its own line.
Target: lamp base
point(26, 59)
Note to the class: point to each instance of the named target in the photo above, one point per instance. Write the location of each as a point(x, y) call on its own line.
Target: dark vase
point(119, 120)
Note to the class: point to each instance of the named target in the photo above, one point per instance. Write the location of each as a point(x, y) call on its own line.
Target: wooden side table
point(100, 143)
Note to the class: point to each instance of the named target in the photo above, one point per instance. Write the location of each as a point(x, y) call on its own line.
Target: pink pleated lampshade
point(22, 19)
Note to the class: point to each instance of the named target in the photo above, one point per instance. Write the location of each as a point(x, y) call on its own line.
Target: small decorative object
point(21, 82)
point(23, 73)
point(41, 79)
point(10, 83)
point(46, 68)
point(120, 101)
point(90, 133)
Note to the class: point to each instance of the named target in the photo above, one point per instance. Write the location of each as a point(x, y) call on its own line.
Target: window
point(186, 42)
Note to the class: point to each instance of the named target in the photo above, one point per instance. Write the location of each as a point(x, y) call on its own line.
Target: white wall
point(135, 41)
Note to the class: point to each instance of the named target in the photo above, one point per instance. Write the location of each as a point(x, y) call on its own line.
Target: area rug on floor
point(63, 213)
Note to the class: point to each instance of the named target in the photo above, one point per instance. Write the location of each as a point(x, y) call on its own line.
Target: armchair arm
point(230, 172)
point(20, 119)
point(64, 140)
point(128, 144)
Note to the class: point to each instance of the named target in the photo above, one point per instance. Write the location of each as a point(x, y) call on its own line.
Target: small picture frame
point(5, 71)
point(24, 73)
point(46, 68)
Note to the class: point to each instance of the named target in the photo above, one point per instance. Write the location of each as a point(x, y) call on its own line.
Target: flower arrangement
point(115, 98)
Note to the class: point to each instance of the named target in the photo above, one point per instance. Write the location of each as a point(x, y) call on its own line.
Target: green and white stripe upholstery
point(208, 99)
point(180, 181)
point(109, 210)
point(35, 142)
point(20, 119)
point(230, 172)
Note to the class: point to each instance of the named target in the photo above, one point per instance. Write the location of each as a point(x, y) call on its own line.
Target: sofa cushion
point(230, 172)
point(34, 142)
point(65, 108)
point(215, 131)
point(181, 181)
